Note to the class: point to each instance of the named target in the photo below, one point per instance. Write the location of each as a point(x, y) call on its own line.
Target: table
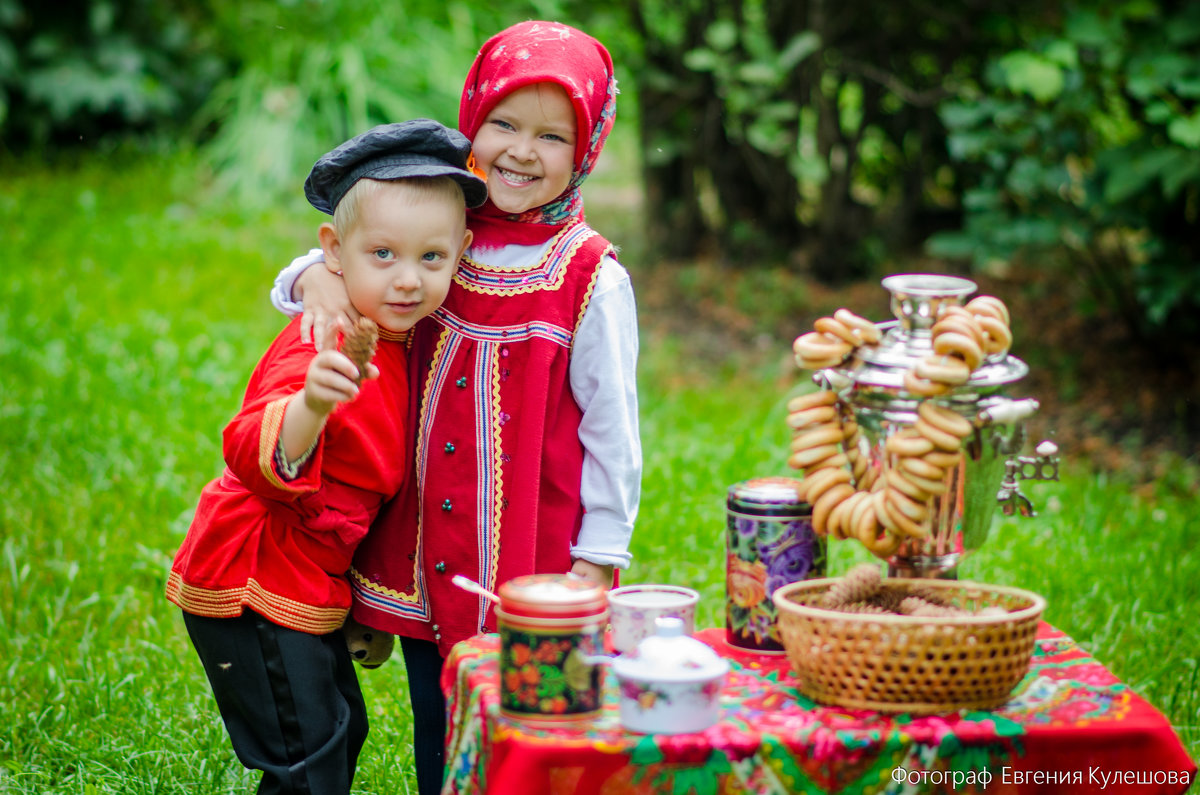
point(1070, 727)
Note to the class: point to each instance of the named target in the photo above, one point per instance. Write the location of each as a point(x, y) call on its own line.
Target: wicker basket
point(894, 663)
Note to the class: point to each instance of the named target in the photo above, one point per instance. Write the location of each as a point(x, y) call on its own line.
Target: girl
point(526, 455)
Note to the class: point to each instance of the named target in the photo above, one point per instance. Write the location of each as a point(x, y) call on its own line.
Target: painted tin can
point(770, 543)
point(551, 627)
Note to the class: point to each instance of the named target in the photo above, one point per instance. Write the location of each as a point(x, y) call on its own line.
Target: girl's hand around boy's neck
point(326, 304)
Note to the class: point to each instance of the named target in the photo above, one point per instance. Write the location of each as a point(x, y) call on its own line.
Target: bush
point(299, 91)
point(72, 72)
point(1083, 148)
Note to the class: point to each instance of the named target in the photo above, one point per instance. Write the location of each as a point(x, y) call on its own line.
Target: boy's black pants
point(290, 701)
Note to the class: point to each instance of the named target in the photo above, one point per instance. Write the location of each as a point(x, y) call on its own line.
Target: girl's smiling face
point(526, 146)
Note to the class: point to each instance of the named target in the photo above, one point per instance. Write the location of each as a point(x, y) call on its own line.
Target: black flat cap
point(417, 148)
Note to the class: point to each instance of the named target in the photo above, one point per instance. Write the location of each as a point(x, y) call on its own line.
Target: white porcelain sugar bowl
point(671, 683)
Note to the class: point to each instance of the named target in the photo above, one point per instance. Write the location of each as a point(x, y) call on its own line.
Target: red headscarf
point(540, 52)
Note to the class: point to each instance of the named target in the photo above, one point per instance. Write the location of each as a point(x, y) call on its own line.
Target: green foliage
point(1086, 142)
point(299, 91)
point(70, 74)
point(752, 81)
point(800, 124)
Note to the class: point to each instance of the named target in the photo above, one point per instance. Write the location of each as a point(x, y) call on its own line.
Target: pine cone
point(862, 608)
point(359, 344)
point(888, 599)
point(916, 606)
point(933, 595)
point(858, 585)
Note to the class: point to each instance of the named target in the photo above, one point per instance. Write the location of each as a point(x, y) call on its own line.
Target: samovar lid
point(917, 299)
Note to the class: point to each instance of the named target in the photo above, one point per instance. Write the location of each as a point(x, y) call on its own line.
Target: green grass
point(132, 311)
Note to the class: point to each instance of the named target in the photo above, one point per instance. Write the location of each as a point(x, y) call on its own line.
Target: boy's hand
point(602, 575)
point(332, 377)
point(330, 380)
point(326, 304)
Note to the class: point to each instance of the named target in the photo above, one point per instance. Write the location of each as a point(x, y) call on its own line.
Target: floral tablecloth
point(1070, 727)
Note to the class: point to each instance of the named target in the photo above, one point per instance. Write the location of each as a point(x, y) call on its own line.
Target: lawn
point(134, 307)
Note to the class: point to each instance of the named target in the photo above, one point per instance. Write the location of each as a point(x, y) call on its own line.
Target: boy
point(262, 575)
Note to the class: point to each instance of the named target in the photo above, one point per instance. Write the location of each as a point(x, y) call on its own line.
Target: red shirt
point(283, 548)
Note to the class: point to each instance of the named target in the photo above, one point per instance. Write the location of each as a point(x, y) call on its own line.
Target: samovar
point(870, 389)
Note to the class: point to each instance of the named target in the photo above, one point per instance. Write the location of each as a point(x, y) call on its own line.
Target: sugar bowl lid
point(552, 595)
point(669, 655)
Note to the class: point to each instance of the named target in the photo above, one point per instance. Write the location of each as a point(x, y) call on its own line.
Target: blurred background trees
point(826, 137)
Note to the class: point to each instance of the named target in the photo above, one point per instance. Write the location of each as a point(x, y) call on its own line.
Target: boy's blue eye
point(502, 124)
point(431, 256)
point(383, 253)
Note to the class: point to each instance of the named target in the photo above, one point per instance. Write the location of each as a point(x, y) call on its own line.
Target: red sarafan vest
point(497, 456)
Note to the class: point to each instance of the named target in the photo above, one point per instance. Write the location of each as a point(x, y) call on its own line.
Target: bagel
point(878, 498)
point(883, 546)
point(853, 445)
point(989, 305)
point(950, 310)
point(907, 442)
point(965, 324)
point(933, 487)
point(822, 397)
point(826, 503)
point(861, 523)
point(896, 480)
point(941, 439)
point(802, 459)
point(859, 464)
point(999, 335)
point(891, 536)
point(819, 364)
point(817, 347)
point(863, 515)
point(869, 480)
point(961, 345)
point(949, 370)
point(945, 419)
point(834, 328)
point(814, 416)
point(837, 522)
point(816, 436)
point(904, 524)
point(820, 481)
point(916, 510)
point(923, 387)
point(839, 461)
point(919, 467)
point(864, 328)
point(944, 459)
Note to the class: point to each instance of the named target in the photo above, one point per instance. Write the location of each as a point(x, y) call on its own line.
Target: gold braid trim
point(268, 438)
point(229, 603)
point(535, 285)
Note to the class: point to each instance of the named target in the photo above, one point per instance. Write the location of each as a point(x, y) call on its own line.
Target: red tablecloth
point(1070, 727)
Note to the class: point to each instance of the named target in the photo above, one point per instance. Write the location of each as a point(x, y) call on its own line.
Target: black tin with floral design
point(769, 543)
point(551, 633)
